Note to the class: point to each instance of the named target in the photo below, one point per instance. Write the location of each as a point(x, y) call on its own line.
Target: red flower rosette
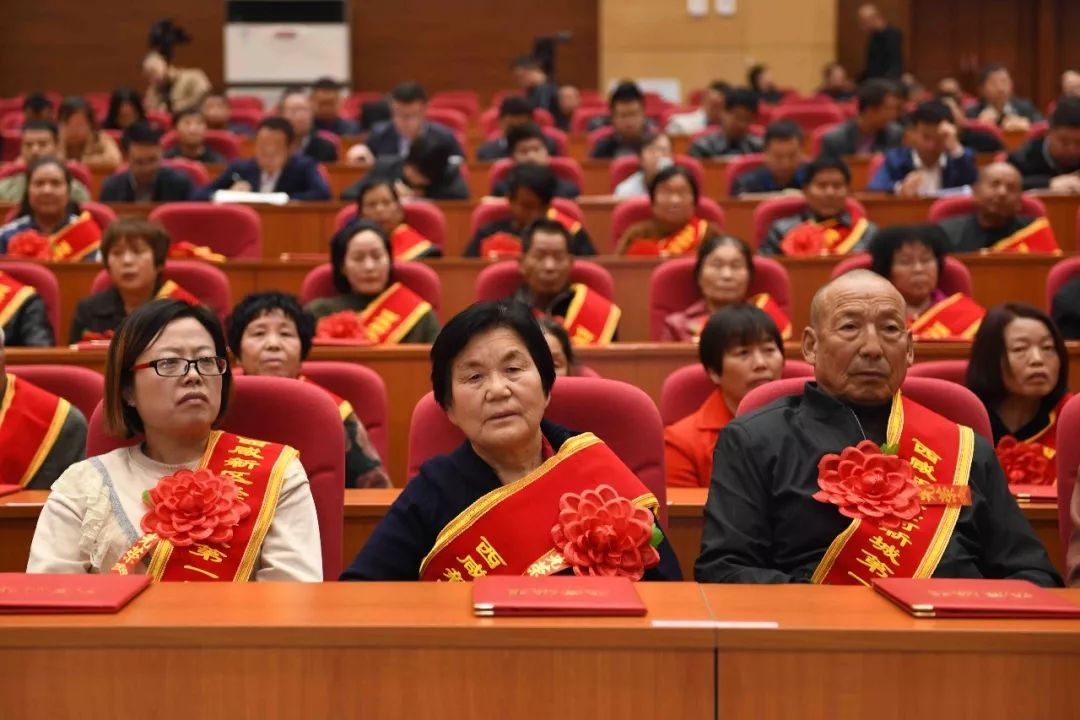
point(183, 249)
point(194, 506)
point(344, 325)
point(599, 532)
point(803, 240)
point(1025, 463)
point(30, 244)
point(863, 482)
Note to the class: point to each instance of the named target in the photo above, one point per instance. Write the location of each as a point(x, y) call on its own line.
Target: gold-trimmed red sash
point(508, 531)
point(772, 308)
point(957, 316)
point(259, 470)
point(170, 289)
point(570, 223)
point(591, 318)
point(76, 241)
point(1035, 237)
point(13, 294)
point(500, 245)
point(408, 244)
point(940, 453)
point(390, 316)
point(30, 423)
point(685, 240)
point(345, 408)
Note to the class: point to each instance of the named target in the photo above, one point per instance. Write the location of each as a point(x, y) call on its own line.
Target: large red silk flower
point(1025, 463)
point(30, 244)
point(865, 483)
point(194, 506)
point(599, 532)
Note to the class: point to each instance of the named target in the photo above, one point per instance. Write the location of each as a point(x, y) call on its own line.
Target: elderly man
point(774, 517)
point(40, 433)
point(1053, 162)
point(997, 224)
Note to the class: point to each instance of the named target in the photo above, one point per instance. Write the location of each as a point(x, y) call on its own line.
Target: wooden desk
point(291, 650)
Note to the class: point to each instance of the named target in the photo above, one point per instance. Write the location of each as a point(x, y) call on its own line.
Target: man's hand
point(241, 186)
point(910, 185)
point(1069, 183)
point(360, 155)
point(950, 137)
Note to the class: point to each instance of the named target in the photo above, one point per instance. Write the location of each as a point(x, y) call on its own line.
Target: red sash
point(13, 295)
point(181, 249)
point(572, 226)
point(940, 453)
point(30, 422)
point(259, 469)
point(345, 408)
point(773, 310)
point(591, 318)
point(408, 244)
point(823, 238)
point(393, 314)
point(508, 531)
point(1035, 237)
point(171, 290)
point(76, 241)
point(955, 317)
point(500, 245)
point(686, 240)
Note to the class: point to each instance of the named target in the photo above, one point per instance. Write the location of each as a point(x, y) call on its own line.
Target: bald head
point(1070, 83)
point(998, 194)
point(860, 280)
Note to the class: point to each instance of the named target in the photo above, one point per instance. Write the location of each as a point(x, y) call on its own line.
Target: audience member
point(426, 172)
point(378, 201)
point(733, 137)
point(24, 320)
point(170, 88)
point(39, 138)
point(656, 154)
point(37, 107)
point(326, 108)
point(1070, 84)
point(125, 109)
point(514, 112)
point(190, 127)
point(296, 108)
point(978, 139)
point(710, 114)
point(562, 352)
point(527, 144)
point(569, 99)
point(884, 47)
point(216, 113)
point(408, 104)
point(48, 225)
point(759, 78)
point(146, 180)
point(539, 89)
point(998, 106)
point(675, 227)
point(1053, 162)
point(627, 106)
point(80, 138)
point(874, 129)
point(934, 162)
point(835, 83)
point(783, 166)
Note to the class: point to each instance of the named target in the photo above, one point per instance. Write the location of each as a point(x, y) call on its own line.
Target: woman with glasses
point(188, 502)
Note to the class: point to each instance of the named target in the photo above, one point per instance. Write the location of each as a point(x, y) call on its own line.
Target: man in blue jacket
point(934, 161)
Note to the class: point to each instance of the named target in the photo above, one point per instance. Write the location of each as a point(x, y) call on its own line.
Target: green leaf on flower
point(887, 449)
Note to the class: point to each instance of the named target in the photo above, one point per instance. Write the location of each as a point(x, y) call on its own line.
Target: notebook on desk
point(22, 593)
point(555, 596)
point(971, 598)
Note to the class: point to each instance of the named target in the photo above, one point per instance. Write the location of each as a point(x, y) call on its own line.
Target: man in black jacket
point(146, 180)
point(1053, 161)
point(408, 105)
point(296, 108)
point(884, 47)
point(427, 172)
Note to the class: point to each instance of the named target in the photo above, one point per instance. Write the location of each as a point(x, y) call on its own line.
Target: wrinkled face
point(1031, 364)
point(216, 111)
point(76, 128)
point(1064, 145)
point(628, 119)
point(35, 144)
point(545, 268)
point(47, 190)
point(271, 345)
point(144, 161)
point(998, 87)
point(926, 140)
point(325, 103)
point(408, 118)
point(297, 110)
point(380, 205)
point(826, 193)
point(532, 151)
point(271, 150)
point(525, 206)
point(782, 157)
point(131, 267)
point(999, 190)
point(562, 365)
point(656, 152)
point(191, 130)
point(914, 272)
point(746, 367)
point(737, 122)
point(724, 276)
point(712, 102)
point(674, 201)
point(497, 398)
point(367, 264)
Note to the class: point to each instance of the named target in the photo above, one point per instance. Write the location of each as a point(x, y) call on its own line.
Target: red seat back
point(501, 279)
point(1068, 459)
point(1062, 272)
point(424, 217)
point(684, 390)
point(741, 165)
point(953, 371)
point(490, 212)
point(579, 122)
point(563, 167)
point(364, 389)
point(452, 119)
point(635, 210)
point(625, 166)
point(809, 115)
point(418, 277)
point(955, 279)
point(769, 211)
point(194, 169)
point(41, 278)
point(82, 387)
point(953, 206)
point(204, 281)
point(235, 231)
point(817, 137)
point(249, 117)
point(222, 142)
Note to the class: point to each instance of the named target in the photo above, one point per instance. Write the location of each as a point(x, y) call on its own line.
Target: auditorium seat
point(103, 215)
point(41, 279)
point(1062, 272)
point(985, 128)
point(466, 102)
point(489, 120)
point(684, 390)
point(672, 288)
point(418, 277)
point(1068, 459)
point(579, 122)
point(159, 119)
point(817, 137)
point(769, 211)
point(424, 217)
point(950, 400)
point(280, 411)
point(635, 210)
point(364, 389)
point(203, 280)
point(247, 102)
point(621, 415)
point(222, 142)
point(448, 117)
point(353, 102)
point(500, 279)
point(80, 386)
point(943, 208)
point(808, 115)
point(566, 168)
point(595, 136)
point(194, 169)
point(953, 371)
point(249, 117)
point(740, 165)
point(955, 279)
point(235, 231)
point(491, 212)
point(78, 171)
point(625, 166)
point(335, 140)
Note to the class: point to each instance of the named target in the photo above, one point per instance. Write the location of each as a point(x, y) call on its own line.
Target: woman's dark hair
point(374, 184)
point(888, 241)
point(556, 329)
point(137, 331)
point(255, 305)
point(33, 167)
point(479, 318)
point(732, 326)
point(986, 366)
point(339, 245)
point(119, 98)
point(73, 105)
point(715, 241)
point(669, 172)
point(130, 228)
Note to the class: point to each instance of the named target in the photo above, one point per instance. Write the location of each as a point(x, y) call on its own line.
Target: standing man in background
point(884, 47)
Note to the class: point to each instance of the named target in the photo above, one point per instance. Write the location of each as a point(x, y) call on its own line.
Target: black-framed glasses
point(179, 367)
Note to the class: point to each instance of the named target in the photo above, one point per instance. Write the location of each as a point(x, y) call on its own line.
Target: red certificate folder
point(1035, 493)
point(8, 489)
point(23, 593)
point(966, 598)
point(555, 596)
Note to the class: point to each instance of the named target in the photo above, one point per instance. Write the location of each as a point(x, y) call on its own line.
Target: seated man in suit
point(935, 161)
point(825, 226)
point(514, 112)
point(326, 107)
point(1053, 162)
point(733, 137)
point(146, 180)
point(273, 169)
point(296, 108)
point(40, 434)
point(627, 106)
point(39, 138)
point(190, 127)
point(783, 162)
point(997, 224)
point(875, 128)
point(527, 145)
point(776, 511)
point(997, 105)
point(428, 171)
point(710, 114)
point(546, 263)
point(540, 91)
point(408, 105)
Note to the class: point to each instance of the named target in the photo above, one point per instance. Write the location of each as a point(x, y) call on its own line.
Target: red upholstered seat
point(204, 281)
point(333, 138)
point(672, 288)
point(449, 117)
point(490, 212)
point(418, 277)
point(817, 137)
point(955, 279)
point(953, 371)
point(579, 122)
point(635, 210)
point(621, 415)
point(808, 115)
point(876, 161)
point(253, 102)
point(424, 217)
point(365, 391)
point(595, 136)
point(194, 169)
point(82, 387)
point(103, 215)
point(1062, 272)
point(281, 411)
point(953, 206)
point(985, 128)
point(769, 211)
point(950, 400)
point(249, 117)
point(41, 279)
point(499, 280)
point(222, 142)
point(566, 168)
point(741, 165)
point(489, 120)
point(625, 166)
point(1068, 458)
point(466, 102)
point(235, 231)
point(684, 390)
